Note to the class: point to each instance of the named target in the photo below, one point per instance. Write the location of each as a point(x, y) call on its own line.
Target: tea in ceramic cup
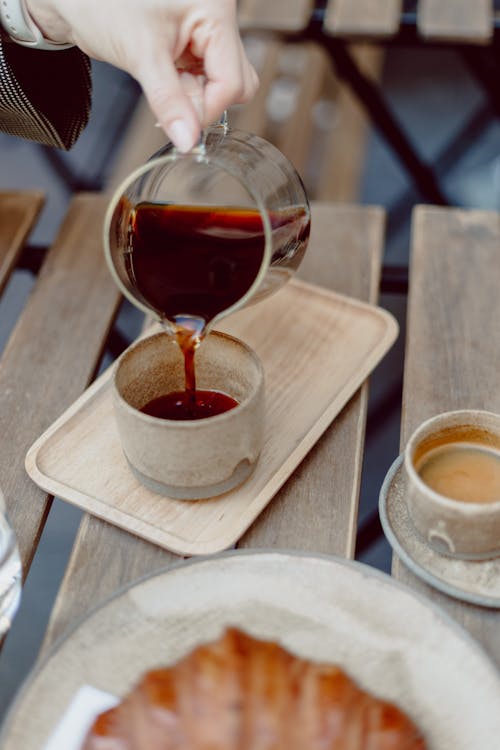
point(190, 445)
point(452, 464)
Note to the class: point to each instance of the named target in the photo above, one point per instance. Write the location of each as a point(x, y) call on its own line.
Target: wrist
point(46, 16)
point(17, 21)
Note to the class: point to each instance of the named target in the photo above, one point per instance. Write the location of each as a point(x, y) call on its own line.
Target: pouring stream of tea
point(190, 263)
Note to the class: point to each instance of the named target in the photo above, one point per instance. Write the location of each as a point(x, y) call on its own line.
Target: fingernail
point(180, 135)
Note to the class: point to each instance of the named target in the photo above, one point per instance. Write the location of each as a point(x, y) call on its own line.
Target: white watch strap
point(22, 29)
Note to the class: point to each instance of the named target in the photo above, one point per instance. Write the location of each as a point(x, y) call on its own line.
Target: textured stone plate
point(477, 582)
point(395, 643)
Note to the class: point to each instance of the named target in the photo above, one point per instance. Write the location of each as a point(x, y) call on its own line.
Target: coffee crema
point(467, 472)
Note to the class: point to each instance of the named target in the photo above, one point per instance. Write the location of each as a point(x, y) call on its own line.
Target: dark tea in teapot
point(197, 261)
point(190, 263)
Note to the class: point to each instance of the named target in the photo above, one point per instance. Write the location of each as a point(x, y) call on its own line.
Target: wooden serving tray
point(317, 348)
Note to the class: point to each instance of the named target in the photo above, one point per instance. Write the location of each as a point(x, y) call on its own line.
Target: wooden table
point(452, 349)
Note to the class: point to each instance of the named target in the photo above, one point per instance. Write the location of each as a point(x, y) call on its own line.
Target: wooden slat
point(344, 153)
point(253, 116)
point(344, 254)
point(453, 346)
point(279, 15)
point(301, 68)
point(363, 18)
point(317, 509)
point(456, 20)
point(18, 212)
point(51, 356)
point(295, 139)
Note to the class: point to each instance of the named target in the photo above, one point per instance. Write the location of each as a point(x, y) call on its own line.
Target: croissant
point(240, 693)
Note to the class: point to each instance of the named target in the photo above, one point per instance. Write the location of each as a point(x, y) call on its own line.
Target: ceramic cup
point(194, 459)
point(455, 527)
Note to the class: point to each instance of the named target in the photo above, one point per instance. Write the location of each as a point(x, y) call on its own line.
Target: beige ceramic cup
point(468, 530)
point(196, 459)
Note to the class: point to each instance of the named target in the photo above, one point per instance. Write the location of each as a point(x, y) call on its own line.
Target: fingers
point(168, 94)
point(231, 79)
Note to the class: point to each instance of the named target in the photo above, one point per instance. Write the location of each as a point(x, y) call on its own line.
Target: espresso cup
point(196, 458)
point(452, 465)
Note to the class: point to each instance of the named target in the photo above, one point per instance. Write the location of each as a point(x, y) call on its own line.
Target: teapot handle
point(224, 121)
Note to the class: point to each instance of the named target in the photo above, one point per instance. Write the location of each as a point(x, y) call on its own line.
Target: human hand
point(150, 39)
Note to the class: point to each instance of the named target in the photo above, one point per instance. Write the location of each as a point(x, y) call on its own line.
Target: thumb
point(170, 102)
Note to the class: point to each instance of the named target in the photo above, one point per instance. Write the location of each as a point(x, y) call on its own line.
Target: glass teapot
point(193, 237)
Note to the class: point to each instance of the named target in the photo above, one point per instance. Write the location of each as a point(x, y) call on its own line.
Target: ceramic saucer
point(477, 582)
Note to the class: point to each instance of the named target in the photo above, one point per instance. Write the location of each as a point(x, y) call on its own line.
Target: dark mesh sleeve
point(44, 96)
